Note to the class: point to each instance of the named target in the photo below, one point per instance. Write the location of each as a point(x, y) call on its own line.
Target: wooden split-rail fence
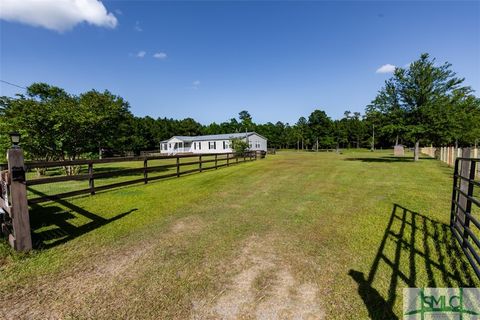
point(19, 187)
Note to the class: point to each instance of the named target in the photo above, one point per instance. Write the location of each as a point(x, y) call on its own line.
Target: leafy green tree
point(213, 128)
point(422, 97)
point(43, 118)
point(340, 132)
point(422, 87)
point(386, 113)
point(57, 125)
point(321, 129)
point(99, 115)
point(189, 127)
point(240, 146)
point(302, 131)
point(246, 120)
point(424, 103)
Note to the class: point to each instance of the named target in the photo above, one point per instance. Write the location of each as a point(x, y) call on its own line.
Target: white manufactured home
point(217, 143)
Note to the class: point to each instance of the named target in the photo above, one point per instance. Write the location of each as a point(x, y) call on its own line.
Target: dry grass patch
point(72, 290)
point(263, 287)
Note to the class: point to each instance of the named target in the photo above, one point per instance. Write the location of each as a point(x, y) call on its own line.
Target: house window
point(199, 146)
point(194, 146)
point(224, 145)
point(169, 146)
point(212, 145)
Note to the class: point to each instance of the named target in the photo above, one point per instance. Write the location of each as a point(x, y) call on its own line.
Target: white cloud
point(140, 54)
point(137, 27)
point(118, 11)
point(386, 68)
point(58, 15)
point(160, 55)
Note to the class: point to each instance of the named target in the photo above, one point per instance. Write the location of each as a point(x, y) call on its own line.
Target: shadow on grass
point(63, 230)
point(386, 159)
point(412, 241)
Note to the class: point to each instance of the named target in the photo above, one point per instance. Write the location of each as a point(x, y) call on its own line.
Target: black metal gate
point(465, 214)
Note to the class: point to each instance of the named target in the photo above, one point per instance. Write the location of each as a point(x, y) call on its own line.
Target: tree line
point(423, 103)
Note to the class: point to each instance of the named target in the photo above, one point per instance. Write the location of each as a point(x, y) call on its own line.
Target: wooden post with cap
point(22, 239)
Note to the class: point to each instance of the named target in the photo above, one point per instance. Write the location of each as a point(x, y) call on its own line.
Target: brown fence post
point(145, 172)
point(200, 163)
point(228, 159)
point(216, 166)
point(178, 166)
point(91, 181)
point(22, 238)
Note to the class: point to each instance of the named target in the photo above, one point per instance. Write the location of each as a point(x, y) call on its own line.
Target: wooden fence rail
point(17, 184)
point(91, 176)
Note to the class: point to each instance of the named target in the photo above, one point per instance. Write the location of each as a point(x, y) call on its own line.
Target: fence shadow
point(56, 227)
point(412, 243)
point(387, 159)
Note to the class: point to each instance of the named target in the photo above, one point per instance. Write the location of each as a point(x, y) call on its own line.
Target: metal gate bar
point(464, 225)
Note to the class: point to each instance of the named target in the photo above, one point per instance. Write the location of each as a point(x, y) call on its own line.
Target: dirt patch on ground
point(187, 225)
point(263, 288)
point(52, 300)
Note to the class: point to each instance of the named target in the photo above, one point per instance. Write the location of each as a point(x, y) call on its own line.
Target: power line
point(13, 84)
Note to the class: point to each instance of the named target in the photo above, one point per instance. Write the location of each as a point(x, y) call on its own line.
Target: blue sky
point(278, 60)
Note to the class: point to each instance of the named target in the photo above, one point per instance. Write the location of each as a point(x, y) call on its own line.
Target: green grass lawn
point(318, 235)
